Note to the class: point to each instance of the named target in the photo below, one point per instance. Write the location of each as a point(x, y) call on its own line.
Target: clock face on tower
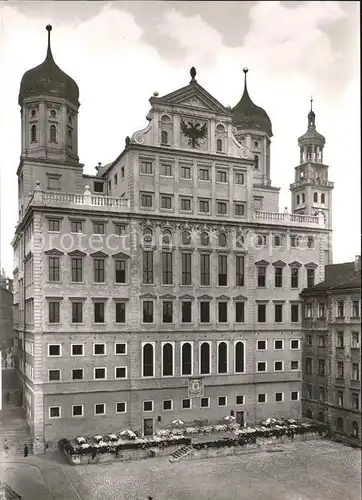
point(194, 131)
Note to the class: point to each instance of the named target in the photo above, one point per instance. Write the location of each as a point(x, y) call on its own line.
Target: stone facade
point(186, 214)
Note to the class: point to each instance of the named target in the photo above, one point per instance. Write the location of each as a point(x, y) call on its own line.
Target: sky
point(119, 53)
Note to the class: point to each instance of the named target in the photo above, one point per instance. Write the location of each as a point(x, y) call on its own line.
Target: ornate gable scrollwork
point(194, 102)
point(139, 136)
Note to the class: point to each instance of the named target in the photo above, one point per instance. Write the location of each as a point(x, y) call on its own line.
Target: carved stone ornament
point(193, 101)
point(167, 225)
point(139, 136)
point(245, 153)
point(194, 132)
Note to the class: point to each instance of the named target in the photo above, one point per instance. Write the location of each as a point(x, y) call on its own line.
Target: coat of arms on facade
point(194, 132)
point(196, 388)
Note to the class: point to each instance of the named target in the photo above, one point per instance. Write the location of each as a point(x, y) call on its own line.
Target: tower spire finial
point(193, 74)
point(49, 51)
point(245, 70)
point(311, 103)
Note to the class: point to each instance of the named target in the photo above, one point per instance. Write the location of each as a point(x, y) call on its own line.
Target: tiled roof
point(338, 276)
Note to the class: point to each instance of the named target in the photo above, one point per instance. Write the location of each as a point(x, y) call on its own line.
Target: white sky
point(120, 52)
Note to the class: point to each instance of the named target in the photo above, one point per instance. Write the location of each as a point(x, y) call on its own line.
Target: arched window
point(186, 237)
point(148, 367)
point(303, 198)
point(315, 197)
point(205, 238)
point(33, 133)
point(166, 238)
point(298, 199)
point(309, 413)
point(355, 429)
point(239, 357)
point(167, 360)
point(205, 358)
point(256, 159)
point(53, 133)
point(186, 356)
point(222, 364)
point(323, 198)
point(164, 137)
point(219, 145)
point(222, 239)
point(69, 137)
point(339, 424)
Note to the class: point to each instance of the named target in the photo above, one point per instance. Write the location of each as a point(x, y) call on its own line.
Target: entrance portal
point(148, 426)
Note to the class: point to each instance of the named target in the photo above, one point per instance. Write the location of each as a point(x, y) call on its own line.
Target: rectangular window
point(309, 340)
point(355, 371)
point(278, 366)
point(204, 174)
point(99, 349)
point(223, 270)
point(205, 403)
point(295, 344)
point(54, 350)
point(120, 229)
point(308, 311)
point(261, 366)
point(185, 173)
point(76, 226)
point(278, 277)
point(77, 374)
point(355, 340)
point(277, 240)
point(261, 345)
point(294, 365)
point(221, 176)
point(166, 202)
point(54, 225)
point(261, 276)
point(340, 339)
point(310, 278)
point(355, 309)
point(355, 400)
point(205, 312)
point(221, 208)
point(239, 177)
point(77, 312)
point(77, 410)
point(340, 309)
point(294, 277)
point(54, 182)
point(54, 375)
point(278, 313)
point(146, 200)
point(294, 241)
point(120, 268)
point(221, 401)
point(294, 309)
point(147, 311)
point(239, 209)
point(340, 398)
point(222, 312)
point(54, 312)
point(204, 206)
point(100, 409)
point(54, 268)
point(120, 348)
point(146, 167)
point(98, 187)
point(147, 268)
point(77, 269)
point(261, 398)
point(279, 397)
point(294, 396)
point(120, 312)
point(322, 341)
point(166, 268)
point(261, 313)
point(240, 270)
point(147, 405)
point(186, 204)
point(167, 405)
point(186, 265)
point(205, 269)
point(186, 404)
point(278, 345)
point(99, 312)
point(239, 400)
point(308, 366)
point(54, 412)
point(98, 228)
point(239, 312)
point(77, 349)
point(121, 407)
point(120, 372)
point(186, 312)
point(99, 373)
point(310, 242)
point(166, 170)
point(167, 311)
point(321, 367)
point(99, 271)
point(309, 391)
point(321, 311)
point(115, 179)
point(322, 393)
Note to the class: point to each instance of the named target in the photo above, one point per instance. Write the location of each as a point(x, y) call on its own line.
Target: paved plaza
point(312, 470)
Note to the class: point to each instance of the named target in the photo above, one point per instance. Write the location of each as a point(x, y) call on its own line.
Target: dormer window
point(164, 137)
point(53, 133)
point(33, 133)
point(219, 145)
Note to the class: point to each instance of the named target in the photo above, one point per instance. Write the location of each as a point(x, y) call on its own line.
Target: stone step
point(181, 453)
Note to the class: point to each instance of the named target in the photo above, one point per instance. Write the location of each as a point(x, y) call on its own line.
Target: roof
point(338, 277)
point(48, 79)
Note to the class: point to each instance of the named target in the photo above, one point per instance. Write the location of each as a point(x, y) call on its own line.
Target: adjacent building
point(6, 315)
point(167, 285)
point(332, 349)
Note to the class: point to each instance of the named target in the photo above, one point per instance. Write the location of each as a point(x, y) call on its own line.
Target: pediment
point(186, 297)
point(193, 96)
point(54, 251)
point(99, 254)
point(120, 255)
point(205, 297)
point(77, 253)
point(167, 296)
point(240, 297)
point(311, 265)
point(262, 263)
point(222, 297)
point(279, 263)
point(148, 296)
point(295, 264)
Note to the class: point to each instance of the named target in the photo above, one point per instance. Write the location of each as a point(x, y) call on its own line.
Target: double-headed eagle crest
point(194, 132)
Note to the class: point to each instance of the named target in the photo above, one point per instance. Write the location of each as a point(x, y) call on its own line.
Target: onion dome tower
point(49, 101)
point(254, 130)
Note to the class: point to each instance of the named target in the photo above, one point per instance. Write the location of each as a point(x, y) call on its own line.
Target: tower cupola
point(311, 143)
